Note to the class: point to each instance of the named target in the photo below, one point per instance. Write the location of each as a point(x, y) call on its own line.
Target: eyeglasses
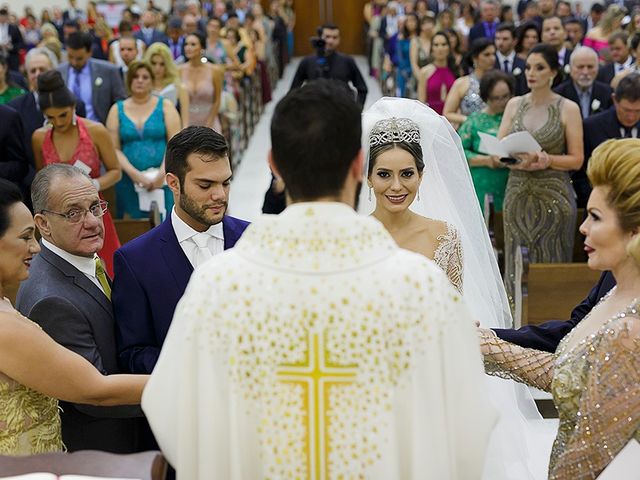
point(77, 215)
point(501, 98)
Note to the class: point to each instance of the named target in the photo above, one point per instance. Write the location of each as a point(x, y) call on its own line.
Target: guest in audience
point(153, 270)
point(203, 81)
point(167, 83)
point(14, 161)
point(8, 89)
point(128, 53)
point(68, 295)
point(445, 20)
point(582, 87)
point(527, 37)
point(466, 20)
point(621, 59)
point(243, 51)
point(634, 46)
point(34, 369)
point(622, 121)
point(593, 375)
point(539, 204)
point(455, 40)
point(554, 34)
point(486, 26)
point(464, 97)
point(78, 142)
point(97, 83)
point(405, 81)
point(148, 32)
point(487, 171)
point(506, 58)
point(175, 40)
point(598, 37)
point(10, 41)
point(140, 128)
point(420, 51)
point(125, 30)
point(436, 79)
point(217, 49)
point(575, 32)
point(595, 16)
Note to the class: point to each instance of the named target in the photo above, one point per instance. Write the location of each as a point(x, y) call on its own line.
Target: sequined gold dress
point(595, 386)
point(29, 420)
point(539, 206)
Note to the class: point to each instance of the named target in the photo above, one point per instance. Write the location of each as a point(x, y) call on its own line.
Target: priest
point(317, 348)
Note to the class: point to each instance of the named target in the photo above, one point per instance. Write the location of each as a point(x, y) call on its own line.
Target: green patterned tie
point(102, 278)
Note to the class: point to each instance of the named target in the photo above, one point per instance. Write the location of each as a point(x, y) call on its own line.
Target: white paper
point(518, 142)
point(145, 197)
point(51, 476)
point(626, 465)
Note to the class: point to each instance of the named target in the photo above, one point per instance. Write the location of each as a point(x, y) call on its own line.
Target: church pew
point(149, 465)
point(129, 228)
point(549, 291)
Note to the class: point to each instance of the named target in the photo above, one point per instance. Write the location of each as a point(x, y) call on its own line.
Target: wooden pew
point(549, 291)
point(149, 465)
point(129, 228)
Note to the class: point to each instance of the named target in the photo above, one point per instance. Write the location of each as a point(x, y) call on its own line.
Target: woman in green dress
point(8, 90)
point(488, 173)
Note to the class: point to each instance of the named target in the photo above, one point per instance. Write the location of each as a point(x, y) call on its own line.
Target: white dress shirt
point(501, 58)
point(86, 265)
point(184, 234)
point(620, 67)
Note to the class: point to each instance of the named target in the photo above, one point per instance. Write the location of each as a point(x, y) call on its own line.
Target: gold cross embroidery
point(316, 375)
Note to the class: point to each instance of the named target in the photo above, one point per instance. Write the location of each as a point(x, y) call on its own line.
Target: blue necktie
point(77, 87)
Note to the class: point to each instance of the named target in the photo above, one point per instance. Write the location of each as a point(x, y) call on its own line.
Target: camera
point(319, 45)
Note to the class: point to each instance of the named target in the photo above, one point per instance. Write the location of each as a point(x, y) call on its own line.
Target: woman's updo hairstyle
point(9, 196)
point(393, 133)
point(549, 53)
point(616, 164)
point(52, 91)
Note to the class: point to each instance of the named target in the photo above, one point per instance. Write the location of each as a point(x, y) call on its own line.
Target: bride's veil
point(447, 194)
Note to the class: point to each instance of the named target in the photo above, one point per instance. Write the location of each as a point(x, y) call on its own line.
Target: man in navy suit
point(554, 34)
point(152, 271)
point(621, 59)
point(547, 335)
point(148, 32)
point(506, 58)
point(486, 27)
point(621, 121)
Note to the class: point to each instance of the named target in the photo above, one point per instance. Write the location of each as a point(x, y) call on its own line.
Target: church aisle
point(252, 177)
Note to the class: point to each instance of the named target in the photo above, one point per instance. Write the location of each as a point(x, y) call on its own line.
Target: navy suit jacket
point(547, 336)
point(520, 80)
point(151, 274)
point(601, 92)
point(156, 36)
point(478, 31)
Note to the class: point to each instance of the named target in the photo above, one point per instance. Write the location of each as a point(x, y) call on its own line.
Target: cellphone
point(510, 160)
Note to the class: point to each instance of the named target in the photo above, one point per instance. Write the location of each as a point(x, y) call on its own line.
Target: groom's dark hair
point(315, 136)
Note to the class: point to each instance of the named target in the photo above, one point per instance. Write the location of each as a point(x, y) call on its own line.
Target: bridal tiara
point(394, 130)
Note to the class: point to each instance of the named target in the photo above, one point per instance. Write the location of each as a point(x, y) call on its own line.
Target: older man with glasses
point(68, 294)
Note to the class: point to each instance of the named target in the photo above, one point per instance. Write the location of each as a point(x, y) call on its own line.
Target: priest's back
point(318, 349)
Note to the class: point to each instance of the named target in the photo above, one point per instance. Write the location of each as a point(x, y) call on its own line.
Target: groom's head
point(315, 143)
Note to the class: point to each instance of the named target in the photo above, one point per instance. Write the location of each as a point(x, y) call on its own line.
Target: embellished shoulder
point(448, 256)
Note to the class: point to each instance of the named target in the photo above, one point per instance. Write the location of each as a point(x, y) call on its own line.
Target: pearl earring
point(370, 193)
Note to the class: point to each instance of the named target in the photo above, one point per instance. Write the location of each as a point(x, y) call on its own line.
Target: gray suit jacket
point(108, 90)
point(76, 314)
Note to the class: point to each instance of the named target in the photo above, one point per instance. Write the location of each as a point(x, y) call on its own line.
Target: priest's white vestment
point(318, 349)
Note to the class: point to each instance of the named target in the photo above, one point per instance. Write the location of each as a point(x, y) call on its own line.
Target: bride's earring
point(418, 195)
point(74, 119)
point(370, 193)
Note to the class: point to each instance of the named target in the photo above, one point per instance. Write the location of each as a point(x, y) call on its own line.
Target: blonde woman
point(597, 38)
point(167, 82)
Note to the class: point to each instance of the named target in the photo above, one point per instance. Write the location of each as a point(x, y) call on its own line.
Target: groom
point(317, 348)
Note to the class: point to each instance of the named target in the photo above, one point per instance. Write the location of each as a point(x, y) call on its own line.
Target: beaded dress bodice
point(550, 136)
point(29, 420)
point(595, 386)
point(472, 102)
point(448, 256)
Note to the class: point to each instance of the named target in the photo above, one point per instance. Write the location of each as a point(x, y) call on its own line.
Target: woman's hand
point(141, 180)
point(157, 182)
point(531, 161)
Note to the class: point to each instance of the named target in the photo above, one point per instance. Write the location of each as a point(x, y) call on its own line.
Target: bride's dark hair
point(413, 148)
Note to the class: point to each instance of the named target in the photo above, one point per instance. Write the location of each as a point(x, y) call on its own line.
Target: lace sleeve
point(513, 362)
point(448, 256)
point(610, 405)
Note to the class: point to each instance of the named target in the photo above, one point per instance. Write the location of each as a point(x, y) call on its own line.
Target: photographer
point(328, 63)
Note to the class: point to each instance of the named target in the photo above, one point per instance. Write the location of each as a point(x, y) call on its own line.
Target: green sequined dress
point(29, 420)
point(540, 206)
point(485, 179)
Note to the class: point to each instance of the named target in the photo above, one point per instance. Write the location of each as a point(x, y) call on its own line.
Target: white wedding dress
point(521, 442)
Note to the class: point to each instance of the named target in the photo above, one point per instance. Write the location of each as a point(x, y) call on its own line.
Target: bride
point(420, 189)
